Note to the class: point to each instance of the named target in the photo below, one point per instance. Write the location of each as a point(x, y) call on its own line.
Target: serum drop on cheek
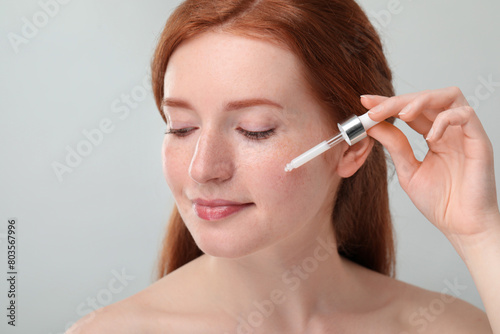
point(352, 131)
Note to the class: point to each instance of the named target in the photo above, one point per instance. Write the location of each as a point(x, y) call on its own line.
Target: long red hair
point(342, 58)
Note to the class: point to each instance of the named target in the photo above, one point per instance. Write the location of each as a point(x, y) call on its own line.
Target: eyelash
point(252, 135)
point(256, 135)
point(179, 132)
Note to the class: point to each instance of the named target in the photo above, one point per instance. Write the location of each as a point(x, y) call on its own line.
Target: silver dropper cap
point(352, 130)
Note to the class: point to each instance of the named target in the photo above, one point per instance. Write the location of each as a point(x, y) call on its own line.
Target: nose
point(212, 160)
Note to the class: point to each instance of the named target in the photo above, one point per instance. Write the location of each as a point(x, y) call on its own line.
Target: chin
point(223, 253)
point(225, 245)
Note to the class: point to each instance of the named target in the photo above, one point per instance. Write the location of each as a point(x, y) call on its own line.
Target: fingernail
point(405, 110)
point(429, 135)
point(368, 96)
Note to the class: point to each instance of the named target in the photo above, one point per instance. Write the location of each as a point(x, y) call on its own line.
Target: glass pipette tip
point(313, 152)
point(352, 131)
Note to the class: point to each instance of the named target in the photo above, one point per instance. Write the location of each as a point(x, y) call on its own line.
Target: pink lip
point(217, 209)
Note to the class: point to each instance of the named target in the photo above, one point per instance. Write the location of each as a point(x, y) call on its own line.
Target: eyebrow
point(230, 106)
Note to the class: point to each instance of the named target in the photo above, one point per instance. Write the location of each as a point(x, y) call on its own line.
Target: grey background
point(109, 214)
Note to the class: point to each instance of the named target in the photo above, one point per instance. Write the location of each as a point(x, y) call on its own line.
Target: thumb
point(396, 143)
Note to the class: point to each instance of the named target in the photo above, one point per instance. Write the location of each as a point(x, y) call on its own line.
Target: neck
point(287, 282)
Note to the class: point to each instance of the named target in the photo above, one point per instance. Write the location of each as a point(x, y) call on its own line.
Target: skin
point(216, 161)
point(277, 250)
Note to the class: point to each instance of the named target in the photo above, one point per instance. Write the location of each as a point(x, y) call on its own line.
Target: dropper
point(352, 131)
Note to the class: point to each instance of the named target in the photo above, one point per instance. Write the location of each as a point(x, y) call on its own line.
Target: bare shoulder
point(424, 311)
point(148, 311)
point(408, 309)
point(170, 305)
point(122, 317)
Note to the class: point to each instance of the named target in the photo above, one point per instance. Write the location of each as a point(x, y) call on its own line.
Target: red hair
point(342, 57)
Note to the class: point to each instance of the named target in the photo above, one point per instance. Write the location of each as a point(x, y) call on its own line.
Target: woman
point(246, 86)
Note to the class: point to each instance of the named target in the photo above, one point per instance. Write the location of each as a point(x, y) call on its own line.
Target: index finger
point(436, 100)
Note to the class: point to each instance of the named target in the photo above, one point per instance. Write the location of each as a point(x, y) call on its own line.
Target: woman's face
point(238, 112)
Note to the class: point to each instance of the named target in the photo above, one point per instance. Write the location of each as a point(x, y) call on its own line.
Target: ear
point(353, 157)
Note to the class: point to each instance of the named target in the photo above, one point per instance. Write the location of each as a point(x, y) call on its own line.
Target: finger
point(371, 101)
point(462, 116)
point(399, 148)
point(421, 125)
point(431, 103)
point(412, 105)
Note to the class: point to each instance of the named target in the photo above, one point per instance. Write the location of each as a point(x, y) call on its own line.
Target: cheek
point(175, 164)
point(275, 189)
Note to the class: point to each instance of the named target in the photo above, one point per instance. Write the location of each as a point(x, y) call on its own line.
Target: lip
point(217, 209)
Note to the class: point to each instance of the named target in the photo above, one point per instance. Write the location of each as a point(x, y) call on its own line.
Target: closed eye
point(180, 132)
point(256, 135)
point(253, 135)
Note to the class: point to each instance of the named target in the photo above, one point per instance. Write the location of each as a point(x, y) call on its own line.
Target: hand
point(454, 186)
